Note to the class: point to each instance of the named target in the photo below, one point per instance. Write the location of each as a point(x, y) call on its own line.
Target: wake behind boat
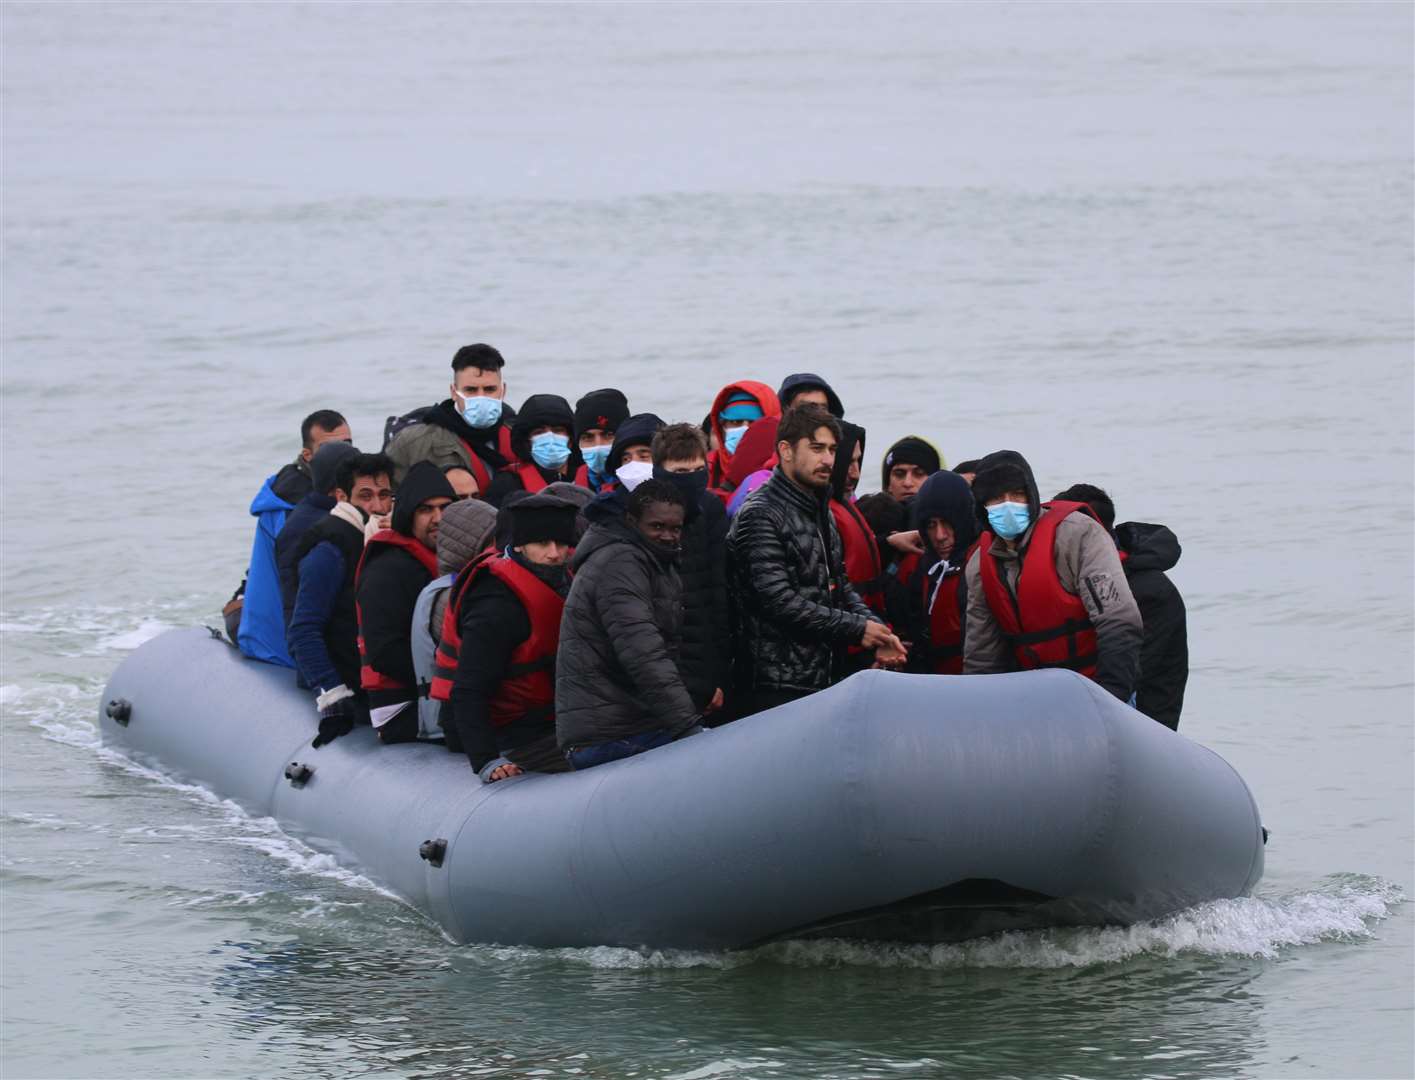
point(891, 806)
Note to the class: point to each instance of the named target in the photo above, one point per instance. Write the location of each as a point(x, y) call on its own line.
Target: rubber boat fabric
point(891, 806)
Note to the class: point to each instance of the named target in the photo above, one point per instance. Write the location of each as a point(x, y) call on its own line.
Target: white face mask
point(633, 473)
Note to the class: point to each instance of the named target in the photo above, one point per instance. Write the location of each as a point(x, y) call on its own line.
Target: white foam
point(1343, 908)
point(146, 631)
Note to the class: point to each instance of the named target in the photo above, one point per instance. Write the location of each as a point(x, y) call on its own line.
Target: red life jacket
point(1046, 625)
point(479, 467)
point(862, 562)
point(582, 477)
point(383, 690)
point(531, 479)
point(528, 686)
point(945, 650)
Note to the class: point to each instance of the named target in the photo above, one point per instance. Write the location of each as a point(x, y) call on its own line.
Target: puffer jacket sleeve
point(762, 549)
point(627, 610)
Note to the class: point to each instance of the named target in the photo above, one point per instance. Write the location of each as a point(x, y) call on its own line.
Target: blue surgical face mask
point(480, 412)
point(596, 457)
point(1009, 519)
point(549, 450)
point(732, 436)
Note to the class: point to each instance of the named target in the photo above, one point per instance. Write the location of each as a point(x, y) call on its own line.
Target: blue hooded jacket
point(262, 632)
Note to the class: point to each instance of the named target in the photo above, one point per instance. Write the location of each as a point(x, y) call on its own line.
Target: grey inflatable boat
point(894, 807)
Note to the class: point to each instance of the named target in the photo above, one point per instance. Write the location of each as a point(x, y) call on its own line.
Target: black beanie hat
point(910, 450)
point(324, 465)
point(605, 409)
point(539, 518)
point(422, 482)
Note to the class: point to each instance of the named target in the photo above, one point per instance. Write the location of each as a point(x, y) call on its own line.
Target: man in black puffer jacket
point(796, 608)
point(618, 690)
point(680, 455)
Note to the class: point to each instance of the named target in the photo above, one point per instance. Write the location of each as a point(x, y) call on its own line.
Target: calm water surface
point(1166, 248)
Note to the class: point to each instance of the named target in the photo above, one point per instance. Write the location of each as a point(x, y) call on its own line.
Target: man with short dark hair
point(597, 417)
point(619, 690)
point(256, 607)
point(1045, 585)
point(324, 624)
point(470, 428)
point(496, 660)
point(397, 564)
point(798, 612)
point(1146, 552)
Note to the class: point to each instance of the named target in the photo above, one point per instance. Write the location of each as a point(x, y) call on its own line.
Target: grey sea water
point(1164, 248)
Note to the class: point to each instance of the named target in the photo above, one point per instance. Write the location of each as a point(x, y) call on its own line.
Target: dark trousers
point(587, 757)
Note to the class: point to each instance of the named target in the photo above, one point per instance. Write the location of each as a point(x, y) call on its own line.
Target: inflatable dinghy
point(890, 807)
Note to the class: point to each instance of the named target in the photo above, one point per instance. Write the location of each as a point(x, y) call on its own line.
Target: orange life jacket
point(383, 690)
point(528, 687)
point(1045, 625)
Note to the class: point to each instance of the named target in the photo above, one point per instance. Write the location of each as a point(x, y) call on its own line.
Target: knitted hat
point(636, 431)
point(604, 409)
point(466, 529)
point(540, 518)
point(911, 450)
point(741, 406)
point(324, 465)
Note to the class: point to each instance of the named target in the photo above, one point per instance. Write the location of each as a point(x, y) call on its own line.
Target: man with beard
point(471, 428)
point(324, 627)
point(397, 564)
point(619, 691)
point(496, 659)
point(798, 611)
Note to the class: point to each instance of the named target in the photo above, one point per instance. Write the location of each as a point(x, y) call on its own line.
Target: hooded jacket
point(797, 613)
point(391, 579)
point(538, 410)
point(719, 460)
point(323, 623)
point(705, 644)
point(808, 381)
point(1087, 566)
point(466, 530)
point(947, 497)
point(310, 511)
point(262, 631)
point(1147, 551)
point(638, 430)
point(438, 434)
point(617, 669)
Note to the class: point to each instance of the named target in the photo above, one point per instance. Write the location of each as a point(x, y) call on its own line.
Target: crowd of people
point(556, 587)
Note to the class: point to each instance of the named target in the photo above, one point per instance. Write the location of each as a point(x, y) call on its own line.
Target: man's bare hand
point(907, 543)
point(503, 772)
point(715, 703)
point(877, 634)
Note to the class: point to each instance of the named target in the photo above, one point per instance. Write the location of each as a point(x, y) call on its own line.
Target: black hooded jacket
point(705, 646)
point(538, 410)
point(797, 612)
point(616, 672)
point(945, 496)
point(808, 381)
point(1149, 551)
point(392, 578)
